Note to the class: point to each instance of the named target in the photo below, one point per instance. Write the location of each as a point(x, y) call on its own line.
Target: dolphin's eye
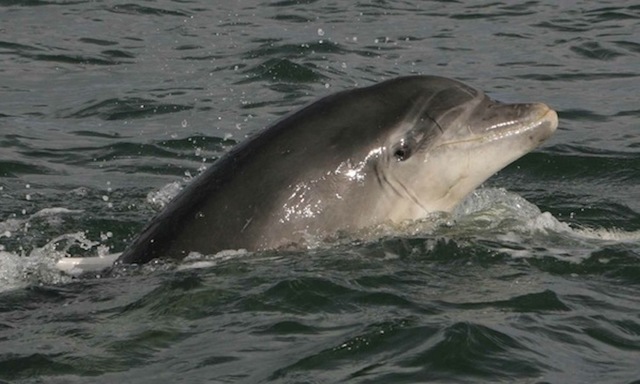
point(403, 152)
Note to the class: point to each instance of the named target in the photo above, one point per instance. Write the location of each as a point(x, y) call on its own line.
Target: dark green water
point(107, 107)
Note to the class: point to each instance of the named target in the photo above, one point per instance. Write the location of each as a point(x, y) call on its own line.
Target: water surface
point(106, 108)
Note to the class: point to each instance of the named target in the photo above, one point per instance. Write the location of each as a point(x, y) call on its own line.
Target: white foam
point(196, 260)
point(160, 198)
point(497, 208)
point(11, 271)
point(40, 266)
point(497, 214)
point(609, 235)
point(509, 221)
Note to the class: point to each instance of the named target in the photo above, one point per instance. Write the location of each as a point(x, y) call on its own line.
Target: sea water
point(108, 108)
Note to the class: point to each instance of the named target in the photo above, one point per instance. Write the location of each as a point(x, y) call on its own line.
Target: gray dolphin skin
point(387, 153)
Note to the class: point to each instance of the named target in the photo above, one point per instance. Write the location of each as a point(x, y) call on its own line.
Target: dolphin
point(388, 153)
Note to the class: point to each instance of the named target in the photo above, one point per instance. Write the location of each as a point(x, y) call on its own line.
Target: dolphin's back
point(235, 203)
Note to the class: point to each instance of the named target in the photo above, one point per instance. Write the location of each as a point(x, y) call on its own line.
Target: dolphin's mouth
point(541, 119)
point(537, 120)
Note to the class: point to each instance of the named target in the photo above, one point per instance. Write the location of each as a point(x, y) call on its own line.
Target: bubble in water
point(320, 32)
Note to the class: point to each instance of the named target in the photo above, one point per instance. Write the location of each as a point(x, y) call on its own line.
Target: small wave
point(508, 223)
point(593, 50)
point(270, 49)
point(609, 235)
point(135, 9)
point(501, 211)
point(12, 168)
point(126, 108)
point(284, 70)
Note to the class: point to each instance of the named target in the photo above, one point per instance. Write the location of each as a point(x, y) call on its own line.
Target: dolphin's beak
point(503, 121)
point(548, 120)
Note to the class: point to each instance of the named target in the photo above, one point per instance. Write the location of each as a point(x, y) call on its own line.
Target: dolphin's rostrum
point(387, 153)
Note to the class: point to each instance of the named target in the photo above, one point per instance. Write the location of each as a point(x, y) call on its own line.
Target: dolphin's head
point(448, 140)
point(395, 151)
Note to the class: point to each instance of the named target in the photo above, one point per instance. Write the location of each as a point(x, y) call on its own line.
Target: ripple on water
point(105, 102)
